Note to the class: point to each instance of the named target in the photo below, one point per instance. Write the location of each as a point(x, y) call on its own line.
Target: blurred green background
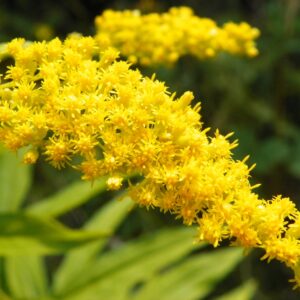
point(258, 99)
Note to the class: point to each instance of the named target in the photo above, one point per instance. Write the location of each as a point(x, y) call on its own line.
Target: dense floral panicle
point(79, 106)
point(163, 38)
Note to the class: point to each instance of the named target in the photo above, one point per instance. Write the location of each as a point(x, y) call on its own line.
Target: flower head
point(77, 105)
point(163, 38)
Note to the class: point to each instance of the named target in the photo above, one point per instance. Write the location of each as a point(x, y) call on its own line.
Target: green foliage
point(245, 292)
point(26, 277)
point(24, 234)
point(193, 278)
point(15, 181)
point(72, 196)
point(78, 261)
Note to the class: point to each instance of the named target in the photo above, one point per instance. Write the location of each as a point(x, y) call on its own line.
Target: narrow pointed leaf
point(129, 265)
point(243, 292)
point(76, 261)
point(192, 279)
point(15, 180)
point(4, 296)
point(28, 235)
point(26, 277)
point(72, 196)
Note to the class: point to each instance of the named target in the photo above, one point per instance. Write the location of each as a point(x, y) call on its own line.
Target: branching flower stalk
point(163, 38)
point(80, 106)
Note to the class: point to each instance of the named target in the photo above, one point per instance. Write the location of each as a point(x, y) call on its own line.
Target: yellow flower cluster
point(81, 107)
point(163, 38)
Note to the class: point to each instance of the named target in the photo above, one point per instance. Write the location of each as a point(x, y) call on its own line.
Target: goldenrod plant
point(75, 103)
point(78, 105)
point(155, 39)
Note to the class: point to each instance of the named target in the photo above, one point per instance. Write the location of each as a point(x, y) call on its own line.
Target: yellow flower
point(30, 157)
point(114, 183)
point(58, 151)
point(286, 250)
point(163, 38)
point(79, 106)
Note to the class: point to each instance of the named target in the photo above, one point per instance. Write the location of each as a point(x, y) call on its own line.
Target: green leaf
point(3, 296)
point(194, 278)
point(129, 265)
point(29, 235)
point(72, 196)
point(24, 274)
point(76, 261)
point(26, 277)
point(15, 180)
point(243, 292)
point(2, 279)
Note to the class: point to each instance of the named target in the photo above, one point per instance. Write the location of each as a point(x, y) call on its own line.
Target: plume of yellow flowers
point(163, 38)
point(81, 107)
